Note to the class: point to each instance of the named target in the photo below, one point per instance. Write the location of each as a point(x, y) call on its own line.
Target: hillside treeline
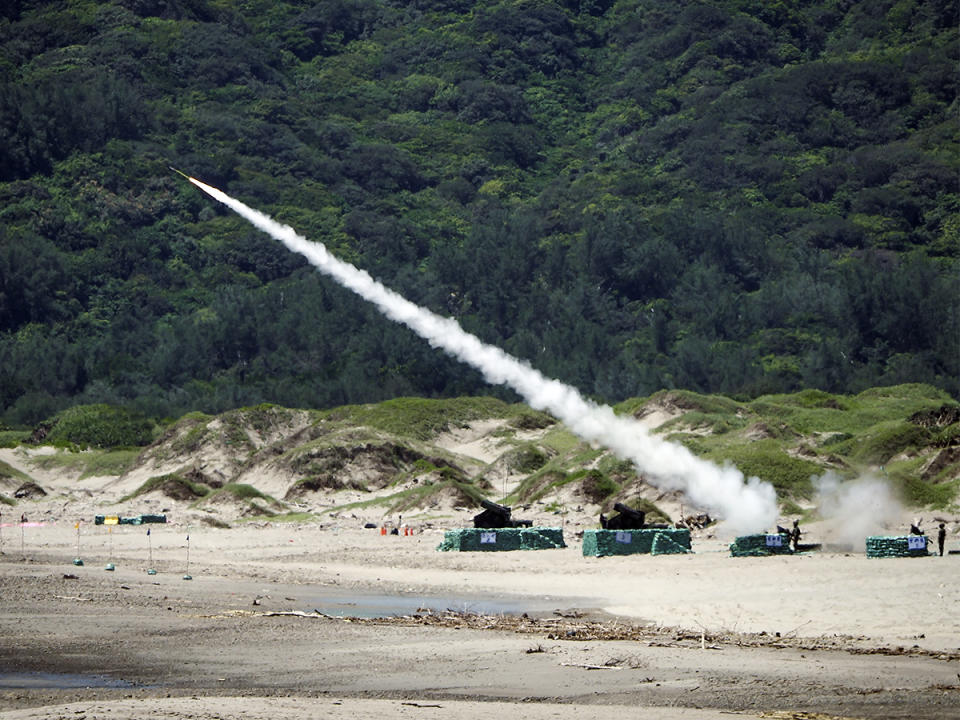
point(736, 196)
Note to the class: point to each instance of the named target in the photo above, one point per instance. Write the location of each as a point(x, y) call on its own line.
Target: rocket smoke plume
point(745, 506)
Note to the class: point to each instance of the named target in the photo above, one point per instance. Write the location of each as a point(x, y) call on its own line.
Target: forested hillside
point(734, 196)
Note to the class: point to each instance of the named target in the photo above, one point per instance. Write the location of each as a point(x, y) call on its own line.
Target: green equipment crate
point(501, 539)
point(656, 541)
point(761, 545)
point(902, 546)
point(133, 520)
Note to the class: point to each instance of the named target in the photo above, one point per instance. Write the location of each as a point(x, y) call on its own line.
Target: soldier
point(795, 535)
point(941, 537)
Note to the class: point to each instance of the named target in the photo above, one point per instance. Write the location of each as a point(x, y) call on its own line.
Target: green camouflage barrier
point(600, 543)
point(904, 546)
point(541, 538)
point(501, 539)
point(669, 544)
point(761, 545)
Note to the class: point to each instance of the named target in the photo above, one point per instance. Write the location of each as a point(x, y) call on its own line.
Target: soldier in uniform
point(795, 535)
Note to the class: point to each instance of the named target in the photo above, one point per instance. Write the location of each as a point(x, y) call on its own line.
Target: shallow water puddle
point(57, 681)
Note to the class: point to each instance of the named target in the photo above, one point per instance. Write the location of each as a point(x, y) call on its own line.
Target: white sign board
point(488, 538)
point(774, 540)
point(916, 542)
point(624, 537)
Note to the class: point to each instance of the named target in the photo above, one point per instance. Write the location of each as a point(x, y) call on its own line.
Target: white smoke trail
point(745, 506)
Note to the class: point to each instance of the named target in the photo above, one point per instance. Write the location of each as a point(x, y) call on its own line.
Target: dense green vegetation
point(99, 426)
point(725, 196)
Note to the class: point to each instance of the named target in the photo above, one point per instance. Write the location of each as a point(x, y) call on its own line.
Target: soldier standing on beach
point(795, 535)
point(941, 537)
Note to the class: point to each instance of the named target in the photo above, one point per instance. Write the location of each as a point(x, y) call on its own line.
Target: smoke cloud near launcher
point(745, 505)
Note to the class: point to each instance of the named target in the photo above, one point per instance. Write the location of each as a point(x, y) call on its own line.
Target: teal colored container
point(658, 541)
point(501, 539)
point(901, 546)
point(761, 545)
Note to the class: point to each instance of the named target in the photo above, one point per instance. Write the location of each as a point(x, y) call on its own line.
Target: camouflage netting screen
point(657, 541)
point(906, 546)
point(761, 545)
point(469, 539)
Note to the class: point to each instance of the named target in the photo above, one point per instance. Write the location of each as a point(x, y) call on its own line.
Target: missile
point(179, 172)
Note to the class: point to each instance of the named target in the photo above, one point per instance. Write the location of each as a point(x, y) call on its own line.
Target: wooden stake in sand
point(110, 566)
point(187, 575)
point(77, 561)
point(150, 570)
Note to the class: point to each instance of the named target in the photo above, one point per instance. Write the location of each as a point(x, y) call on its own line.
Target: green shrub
point(532, 421)
point(12, 438)
point(422, 418)
point(597, 487)
point(173, 485)
point(923, 494)
point(526, 459)
point(950, 435)
point(889, 439)
point(99, 426)
point(245, 492)
point(539, 484)
point(768, 460)
point(463, 493)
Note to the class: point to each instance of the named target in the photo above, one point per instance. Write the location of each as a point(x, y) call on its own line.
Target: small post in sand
point(150, 570)
point(110, 566)
point(187, 575)
point(77, 561)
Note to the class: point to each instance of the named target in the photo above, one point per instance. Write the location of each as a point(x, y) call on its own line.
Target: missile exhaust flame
point(744, 505)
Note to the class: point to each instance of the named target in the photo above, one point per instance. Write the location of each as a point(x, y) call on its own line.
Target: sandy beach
point(263, 628)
